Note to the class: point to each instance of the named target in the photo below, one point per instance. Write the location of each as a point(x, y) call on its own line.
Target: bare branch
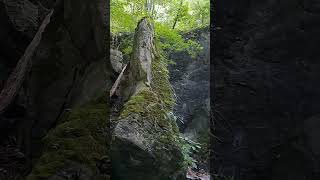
point(116, 84)
point(17, 76)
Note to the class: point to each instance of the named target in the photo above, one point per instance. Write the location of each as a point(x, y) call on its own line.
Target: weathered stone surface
point(116, 59)
point(138, 153)
point(143, 53)
point(145, 141)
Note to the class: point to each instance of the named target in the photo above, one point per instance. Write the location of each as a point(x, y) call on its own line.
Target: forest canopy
point(182, 15)
point(171, 18)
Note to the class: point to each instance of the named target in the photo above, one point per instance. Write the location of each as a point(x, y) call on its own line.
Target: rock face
point(145, 141)
point(77, 59)
point(190, 80)
point(19, 23)
point(116, 59)
point(143, 53)
point(266, 70)
point(23, 15)
point(74, 56)
point(69, 70)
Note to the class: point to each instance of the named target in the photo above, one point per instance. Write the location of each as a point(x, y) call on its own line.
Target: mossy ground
point(80, 137)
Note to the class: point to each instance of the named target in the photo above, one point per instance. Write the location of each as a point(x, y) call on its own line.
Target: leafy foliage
point(189, 14)
point(171, 18)
point(189, 147)
point(171, 40)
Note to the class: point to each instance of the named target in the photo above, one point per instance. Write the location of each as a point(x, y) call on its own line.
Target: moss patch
point(155, 102)
point(160, 82)
point(80, 138)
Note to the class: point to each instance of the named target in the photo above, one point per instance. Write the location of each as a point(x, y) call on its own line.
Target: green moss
point(160, 82)
point(155, 102)
point(147, 104)
point(79, 138)
point(137, 103)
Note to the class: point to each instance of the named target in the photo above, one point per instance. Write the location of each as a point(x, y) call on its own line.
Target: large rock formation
point(77, 58)
point(143, 53)
point(145, 141)
point(266, 72)
point(67, 70)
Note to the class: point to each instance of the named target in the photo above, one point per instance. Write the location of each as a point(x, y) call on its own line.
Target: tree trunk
point(176, 19)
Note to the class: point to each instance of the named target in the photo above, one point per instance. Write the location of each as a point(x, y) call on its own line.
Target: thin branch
point(16, 78)
point(116, 84)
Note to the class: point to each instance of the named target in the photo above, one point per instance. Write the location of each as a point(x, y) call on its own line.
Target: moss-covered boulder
point(69, 66)
point(76, 147)
point(145, 142)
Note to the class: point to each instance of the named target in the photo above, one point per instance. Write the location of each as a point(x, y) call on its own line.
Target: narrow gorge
point(69, 111)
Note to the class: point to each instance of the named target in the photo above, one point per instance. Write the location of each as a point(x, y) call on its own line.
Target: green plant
point(172, 40)
point(189, 147)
